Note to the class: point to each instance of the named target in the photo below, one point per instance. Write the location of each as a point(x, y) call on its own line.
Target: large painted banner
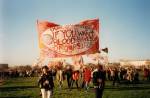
point(68, 40)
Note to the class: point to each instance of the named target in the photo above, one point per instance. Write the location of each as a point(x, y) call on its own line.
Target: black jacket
point(99, 75)
point(46, 77)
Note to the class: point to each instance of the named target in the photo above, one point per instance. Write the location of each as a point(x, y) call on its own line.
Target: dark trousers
point(83, 84)
point(98, 92)
point(69, 80)
point(76, 81)
point(116, 79)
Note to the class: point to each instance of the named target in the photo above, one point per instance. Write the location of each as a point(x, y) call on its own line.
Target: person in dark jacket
point(46, 83)
point(116, 77)
point(99, 77)
point(68, 73)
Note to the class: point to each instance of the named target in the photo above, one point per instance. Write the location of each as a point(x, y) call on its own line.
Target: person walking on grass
point(60, 75)
point(60, 78)
point(68, 73)
point(75, 78)
point(116, 77)
point(99, 77)
point(46, 83)
point(86, 77)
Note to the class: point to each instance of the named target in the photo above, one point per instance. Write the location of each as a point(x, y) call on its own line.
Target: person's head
point(68, 67)
point(45, 69)
point(100, 67)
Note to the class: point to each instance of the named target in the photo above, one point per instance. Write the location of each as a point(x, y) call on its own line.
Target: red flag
point(69, 40)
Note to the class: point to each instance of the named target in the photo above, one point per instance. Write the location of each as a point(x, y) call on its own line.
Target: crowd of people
point(88, 75)
point(82, 78)
point(118, 75)
point(97, 76)
point(20, 71)
point(16, 73)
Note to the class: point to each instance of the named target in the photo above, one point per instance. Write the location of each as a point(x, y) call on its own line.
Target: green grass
point(27, 88)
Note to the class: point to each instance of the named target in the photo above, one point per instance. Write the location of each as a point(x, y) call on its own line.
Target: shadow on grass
point(18, 97)
point(15, 88)
point(127, 88)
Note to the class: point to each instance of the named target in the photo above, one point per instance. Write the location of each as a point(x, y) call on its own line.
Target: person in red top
point(75, 78)
point(86, 77)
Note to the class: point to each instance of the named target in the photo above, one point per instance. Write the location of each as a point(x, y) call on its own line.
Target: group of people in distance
point(86, 74)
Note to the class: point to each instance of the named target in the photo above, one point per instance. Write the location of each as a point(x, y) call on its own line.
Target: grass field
point(27, 88)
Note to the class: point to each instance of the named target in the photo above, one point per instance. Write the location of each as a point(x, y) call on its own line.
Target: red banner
point(69, 40)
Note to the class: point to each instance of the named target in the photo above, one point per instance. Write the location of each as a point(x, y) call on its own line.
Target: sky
point(124, 26)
